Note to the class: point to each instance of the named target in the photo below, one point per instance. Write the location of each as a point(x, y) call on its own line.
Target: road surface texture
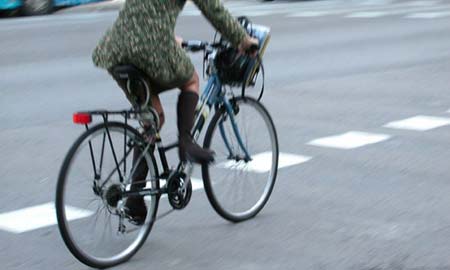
point(360, 89)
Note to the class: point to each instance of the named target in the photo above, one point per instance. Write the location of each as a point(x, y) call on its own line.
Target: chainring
point(178, 193)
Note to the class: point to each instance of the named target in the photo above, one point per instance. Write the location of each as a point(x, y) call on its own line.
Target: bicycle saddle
point(125, 72)
point(134, 82)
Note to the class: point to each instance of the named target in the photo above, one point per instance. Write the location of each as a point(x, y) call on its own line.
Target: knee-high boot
point(188, 149)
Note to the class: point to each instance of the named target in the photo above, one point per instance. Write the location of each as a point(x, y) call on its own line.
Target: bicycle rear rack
point(148, 116)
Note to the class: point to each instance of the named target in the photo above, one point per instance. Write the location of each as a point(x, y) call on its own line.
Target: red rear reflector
point(82, 118)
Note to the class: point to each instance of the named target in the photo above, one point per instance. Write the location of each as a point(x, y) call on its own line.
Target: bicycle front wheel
point(90, 197)
point(240, 182)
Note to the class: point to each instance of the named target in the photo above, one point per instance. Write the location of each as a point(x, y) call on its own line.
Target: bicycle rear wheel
point(238, 188)
point(90, 199)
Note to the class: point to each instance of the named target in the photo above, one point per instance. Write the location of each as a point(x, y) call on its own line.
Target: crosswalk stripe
point(428, 15)
point(44, 215)
point(419, 123)
point(197, 183)
point(36, 217)
point(367, 14)
point(387, 11)
point(349, 140)
point(424, 3)
point(308, 14)
point(262, 162)
point(255, 13)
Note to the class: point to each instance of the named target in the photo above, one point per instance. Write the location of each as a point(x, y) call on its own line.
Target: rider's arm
point(222, 20)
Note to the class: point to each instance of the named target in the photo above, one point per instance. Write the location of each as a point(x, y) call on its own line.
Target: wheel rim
point(241, 188)
point(96, 237)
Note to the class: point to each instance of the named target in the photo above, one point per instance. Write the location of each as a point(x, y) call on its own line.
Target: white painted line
point(375, 2)
point(428, 15)
point(196, 183)
point(350, 140)
point(423, 3)
point(367, 14)
point(255, 13)
point(36, 217)
point(419, 123)
point(262, 163)
point(309, 14)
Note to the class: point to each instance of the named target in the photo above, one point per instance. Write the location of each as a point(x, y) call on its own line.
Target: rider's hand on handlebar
point(247, 46)
point(179, 40)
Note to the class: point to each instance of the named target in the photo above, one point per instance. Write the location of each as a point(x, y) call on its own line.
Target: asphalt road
point(329, 72)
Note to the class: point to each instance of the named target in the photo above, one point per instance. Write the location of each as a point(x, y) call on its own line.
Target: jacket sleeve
point(222, 20)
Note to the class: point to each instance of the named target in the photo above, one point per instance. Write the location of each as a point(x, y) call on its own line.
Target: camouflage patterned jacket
point(143, 35)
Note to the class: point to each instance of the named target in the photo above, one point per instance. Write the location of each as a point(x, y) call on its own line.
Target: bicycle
point(103, 168)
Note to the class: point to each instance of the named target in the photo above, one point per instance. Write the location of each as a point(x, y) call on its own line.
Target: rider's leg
point(135, 205)
point(187, 102)
point(156, 103)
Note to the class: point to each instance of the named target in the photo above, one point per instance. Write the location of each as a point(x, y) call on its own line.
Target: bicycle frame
point(214, 95)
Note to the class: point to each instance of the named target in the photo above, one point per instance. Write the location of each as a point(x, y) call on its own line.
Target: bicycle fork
point(230, 109)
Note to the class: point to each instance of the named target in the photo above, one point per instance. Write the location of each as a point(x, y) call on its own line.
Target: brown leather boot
point(188, 150)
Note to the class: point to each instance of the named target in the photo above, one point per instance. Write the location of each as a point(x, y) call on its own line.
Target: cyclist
point(144, 35)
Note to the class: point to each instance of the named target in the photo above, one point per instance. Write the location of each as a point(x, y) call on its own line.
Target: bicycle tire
point(208, 183)
point(65, 232)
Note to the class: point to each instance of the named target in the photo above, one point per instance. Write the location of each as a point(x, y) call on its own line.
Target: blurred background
point(358, 90)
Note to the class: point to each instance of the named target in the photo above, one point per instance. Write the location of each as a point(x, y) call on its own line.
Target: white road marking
point(309, 14)
point(428, 15)
point(255, 13)
point(40, 216)
point(367, 14)
point(376, 2)
point(262, 163)
point(419, 123)
point(36, 217)
point(196, 183)
point(349, 140)
point(423, 3)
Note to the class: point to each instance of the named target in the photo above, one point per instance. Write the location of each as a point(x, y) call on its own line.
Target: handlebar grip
point(193, 45)
point(254, 48)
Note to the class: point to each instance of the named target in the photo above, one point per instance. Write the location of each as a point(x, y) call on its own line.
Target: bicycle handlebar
point(195, 45)
point(198, 45)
